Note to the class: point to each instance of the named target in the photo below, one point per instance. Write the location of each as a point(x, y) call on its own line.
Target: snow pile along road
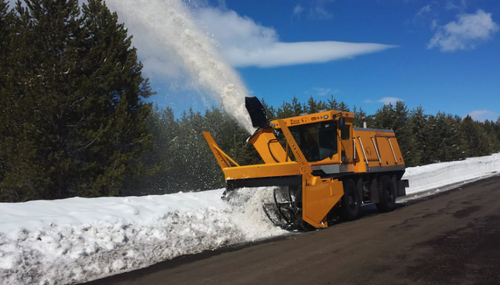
point(76, 240)
point(427, 177)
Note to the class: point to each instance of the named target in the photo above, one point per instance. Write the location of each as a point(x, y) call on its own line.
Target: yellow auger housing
point(322, 166)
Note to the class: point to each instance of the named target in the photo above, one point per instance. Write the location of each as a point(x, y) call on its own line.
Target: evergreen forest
point(74, 121)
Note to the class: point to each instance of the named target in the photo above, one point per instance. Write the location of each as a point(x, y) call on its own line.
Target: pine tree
point(270, 111)
point(332, 104)
point(453, 146)
point(74, 93)
point(285, 111)
point(458, 149)
point(497, 128)
point(297, 107)
point(491, 133)
point(360, 117)
point(428, 139)
point(444, 141)
point(343, 107)
point(6, 22)
point(418, 121)
point(312, 106)
point(114, 133)
point(475, 138)
point(44, 36)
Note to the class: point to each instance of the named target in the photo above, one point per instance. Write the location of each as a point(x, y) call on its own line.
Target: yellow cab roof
point(313, 118)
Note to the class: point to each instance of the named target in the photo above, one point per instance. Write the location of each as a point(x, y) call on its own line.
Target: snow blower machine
point(322, 167)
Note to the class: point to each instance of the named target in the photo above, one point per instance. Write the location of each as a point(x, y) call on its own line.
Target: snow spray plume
point(170, 24)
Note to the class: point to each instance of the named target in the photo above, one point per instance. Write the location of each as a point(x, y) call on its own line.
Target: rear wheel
point(387, 194)
point(350, 202)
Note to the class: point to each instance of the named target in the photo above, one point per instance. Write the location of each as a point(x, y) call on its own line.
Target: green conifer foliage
point(418, 122)
point(475, 137)
point(74, 100)
point(497, 128)
point(312, 106)
point(270, 111)
point(360, 117)
point(458, 147)
point(491, 132)
point(6, 22)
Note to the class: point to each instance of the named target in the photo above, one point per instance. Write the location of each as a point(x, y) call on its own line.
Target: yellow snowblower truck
point(323, 168)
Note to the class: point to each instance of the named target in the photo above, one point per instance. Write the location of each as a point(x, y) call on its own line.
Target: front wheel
point(387, 194)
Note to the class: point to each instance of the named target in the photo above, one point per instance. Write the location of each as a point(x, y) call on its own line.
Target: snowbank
point(423, 178)
point(76, 240)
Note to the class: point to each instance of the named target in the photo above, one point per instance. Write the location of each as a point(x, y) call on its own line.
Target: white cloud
point(428, 14)
point(424, 11)
point(297, 11)
point(282, 54)
point(230, 29)
point(458, 5)
point(246, 43)
point(481, 115)
point(384, 100)
point(322, 91)
point(313, 9)
point(241, 40)
point(465, 34)
point(434, 24)
point(389, 100)
point(319, 12)
point(222, 4)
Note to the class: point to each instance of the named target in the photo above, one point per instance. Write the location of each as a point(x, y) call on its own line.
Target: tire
point(350, 202)
point(387, 194)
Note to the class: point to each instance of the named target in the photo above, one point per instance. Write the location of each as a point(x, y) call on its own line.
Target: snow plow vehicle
point(322, 167)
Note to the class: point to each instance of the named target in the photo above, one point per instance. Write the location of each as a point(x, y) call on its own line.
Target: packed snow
point(432, 178)
point(79, 239)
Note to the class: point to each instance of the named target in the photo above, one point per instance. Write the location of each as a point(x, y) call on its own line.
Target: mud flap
point(319, 199)
point(401, 187)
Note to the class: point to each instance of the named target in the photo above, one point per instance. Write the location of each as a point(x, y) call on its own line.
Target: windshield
point(316, 141)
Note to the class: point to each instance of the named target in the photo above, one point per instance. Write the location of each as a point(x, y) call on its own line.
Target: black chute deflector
point(257, 112)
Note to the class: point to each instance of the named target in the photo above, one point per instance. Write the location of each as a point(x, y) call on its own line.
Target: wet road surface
point(449, 238)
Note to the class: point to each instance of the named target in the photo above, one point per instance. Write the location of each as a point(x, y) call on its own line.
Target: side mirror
point(342, 124)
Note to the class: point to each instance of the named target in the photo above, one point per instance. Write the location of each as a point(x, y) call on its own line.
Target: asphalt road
point(450, 238)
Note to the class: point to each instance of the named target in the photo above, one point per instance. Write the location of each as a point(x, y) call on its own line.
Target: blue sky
point(458, 74)
point(441, 54)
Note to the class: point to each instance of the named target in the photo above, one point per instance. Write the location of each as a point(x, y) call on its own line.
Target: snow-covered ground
point(77, 240)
